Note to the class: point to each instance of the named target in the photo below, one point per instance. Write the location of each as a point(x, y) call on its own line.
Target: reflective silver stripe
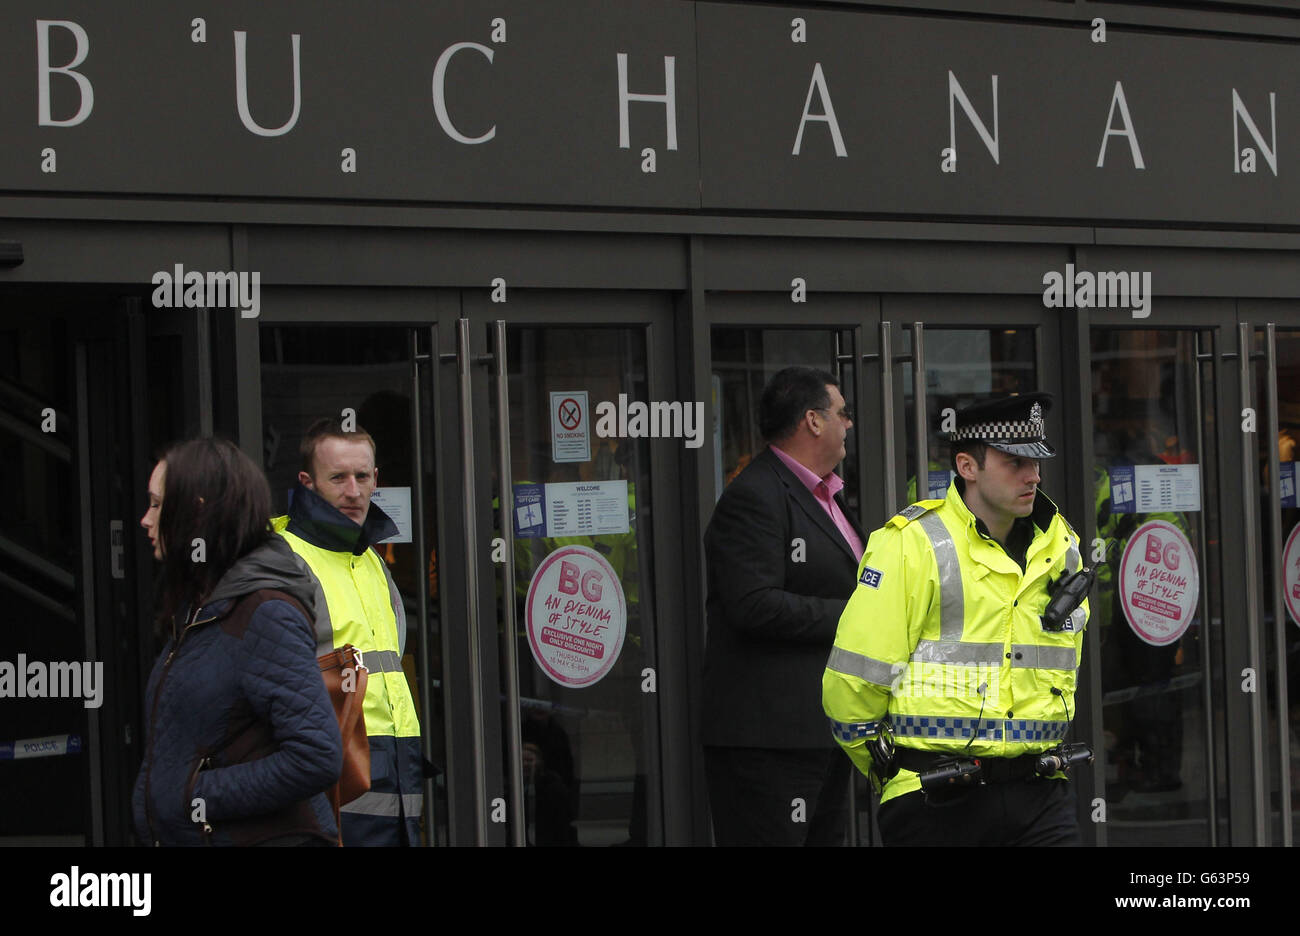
point(382, 661)
point(399, 609)
point(1078, 619)
point(957, 653)
point(324, 625)
point(864, 667)
point(1072, 560)
point(375, 804)
point(1032, 656)
point(952, 607)
point(413, 804)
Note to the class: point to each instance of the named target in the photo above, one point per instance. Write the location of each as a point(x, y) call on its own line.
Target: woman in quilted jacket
point(242, 741)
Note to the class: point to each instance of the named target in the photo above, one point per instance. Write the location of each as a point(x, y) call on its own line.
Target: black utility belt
point(939, 771)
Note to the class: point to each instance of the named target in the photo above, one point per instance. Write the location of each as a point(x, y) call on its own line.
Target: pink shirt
point(825, 489)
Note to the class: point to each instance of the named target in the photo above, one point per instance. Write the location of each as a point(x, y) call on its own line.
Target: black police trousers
point(1019, 812)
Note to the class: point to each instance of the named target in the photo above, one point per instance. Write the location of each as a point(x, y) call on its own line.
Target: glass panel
point(313, 371)
point(1151, 474)
point(744, 359)
point(40, 570)
point(590, 734)
point(1285, 435)
point(961, 365)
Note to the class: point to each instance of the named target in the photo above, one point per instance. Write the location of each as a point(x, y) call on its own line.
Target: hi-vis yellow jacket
point(359, 604)
point(944, 624)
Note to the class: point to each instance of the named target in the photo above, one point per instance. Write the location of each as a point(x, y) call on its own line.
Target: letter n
point(1239, 111)
point(958, 96)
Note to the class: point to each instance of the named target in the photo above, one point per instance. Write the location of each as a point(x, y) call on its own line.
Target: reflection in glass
point(961, 366)
point(1145, 387)
point(590, 772)
point(1284, 432)
point(744, 359)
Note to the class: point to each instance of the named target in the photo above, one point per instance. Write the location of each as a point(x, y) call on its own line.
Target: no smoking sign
point(570, 426)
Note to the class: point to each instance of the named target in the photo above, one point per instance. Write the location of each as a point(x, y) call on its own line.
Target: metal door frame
point(668, 795)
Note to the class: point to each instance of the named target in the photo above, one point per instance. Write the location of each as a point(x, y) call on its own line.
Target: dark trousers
point(1022, 812)
point(766, 796)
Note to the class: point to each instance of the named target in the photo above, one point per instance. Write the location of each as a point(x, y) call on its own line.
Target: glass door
point(574, 434)
point(369, 362)
point(1276, 340)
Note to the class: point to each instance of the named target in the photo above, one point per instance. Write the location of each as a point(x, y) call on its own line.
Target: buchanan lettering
point(69, 58)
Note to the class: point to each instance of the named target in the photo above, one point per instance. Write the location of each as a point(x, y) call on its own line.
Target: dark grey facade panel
point(385, 257)
point(651, 105)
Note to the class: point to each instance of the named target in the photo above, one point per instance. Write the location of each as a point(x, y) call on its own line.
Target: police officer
point(943, 654)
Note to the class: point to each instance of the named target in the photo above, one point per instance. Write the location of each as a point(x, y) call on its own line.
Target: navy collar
point(323, 525)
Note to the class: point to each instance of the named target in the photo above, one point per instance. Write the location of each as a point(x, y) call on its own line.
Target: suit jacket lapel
point(809, 504)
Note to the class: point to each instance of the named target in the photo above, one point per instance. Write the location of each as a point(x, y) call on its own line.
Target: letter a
point(348, 419)
point(798, 30)
point(1118, 98)
point(799, 813)
point(349, 159)
point(798, 550)
point(648, 683)
point(199, 551)
point(498, 810)
point(1248, 419)
point(798, 290)
point(47, 420)
point(499, 289)
point(827, 116)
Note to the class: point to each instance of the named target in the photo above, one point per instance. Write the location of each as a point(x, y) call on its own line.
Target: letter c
point(440, 92)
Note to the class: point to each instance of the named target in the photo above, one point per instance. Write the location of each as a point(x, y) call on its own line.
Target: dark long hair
point(213, 493)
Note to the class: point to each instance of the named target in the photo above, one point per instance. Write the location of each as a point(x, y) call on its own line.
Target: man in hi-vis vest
point(332, 525)
point(952, 679)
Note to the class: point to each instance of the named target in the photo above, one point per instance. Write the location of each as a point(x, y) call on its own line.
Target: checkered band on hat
point(1005, 430)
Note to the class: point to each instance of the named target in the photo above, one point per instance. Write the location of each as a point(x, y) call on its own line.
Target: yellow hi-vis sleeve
point(877, 634)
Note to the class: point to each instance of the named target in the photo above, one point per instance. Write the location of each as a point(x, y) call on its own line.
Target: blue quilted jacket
point(242, 740)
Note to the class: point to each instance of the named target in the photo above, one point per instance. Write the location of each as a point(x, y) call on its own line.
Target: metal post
point(1250, 540)
point(921, 420)
point(887, 415)
point(514, 741)
point(1279, 583)
point(1207, 696)
point(464, 365)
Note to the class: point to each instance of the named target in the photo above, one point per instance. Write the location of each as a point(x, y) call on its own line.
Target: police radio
point(1066, 595)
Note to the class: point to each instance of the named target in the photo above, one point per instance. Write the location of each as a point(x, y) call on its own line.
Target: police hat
point(1011, 424)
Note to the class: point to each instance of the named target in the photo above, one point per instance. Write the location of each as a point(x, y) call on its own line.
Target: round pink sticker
point(1291, 573)
point(1159, 582)
point(577, 616)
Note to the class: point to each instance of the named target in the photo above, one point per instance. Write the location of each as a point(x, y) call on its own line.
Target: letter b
point(1153, 548)
point(568, 578)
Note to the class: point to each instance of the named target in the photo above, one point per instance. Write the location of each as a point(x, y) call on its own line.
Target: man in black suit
point(782, 551)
